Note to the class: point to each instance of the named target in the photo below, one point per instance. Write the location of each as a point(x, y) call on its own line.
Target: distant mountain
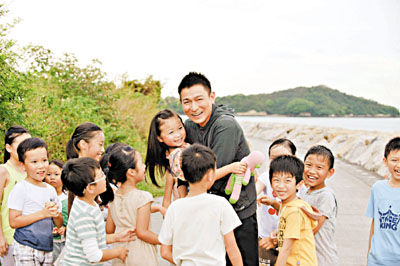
point(303, 101)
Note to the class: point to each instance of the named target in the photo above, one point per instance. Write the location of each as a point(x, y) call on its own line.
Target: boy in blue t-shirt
point(384, 209)
point(33, 207)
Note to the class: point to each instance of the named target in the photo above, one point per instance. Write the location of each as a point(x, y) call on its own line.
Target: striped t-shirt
point(85, 221)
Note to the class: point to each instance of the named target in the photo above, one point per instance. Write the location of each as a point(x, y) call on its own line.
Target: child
point(53, 178)
point(384, 209)
point(167, 134)
point(295, 230)
point(131, 207)
point(199, 228)
point(86, 236)
point(268, 215)
point(34, 207)
point(318, 166)
point(87, 140)
point(11, 172)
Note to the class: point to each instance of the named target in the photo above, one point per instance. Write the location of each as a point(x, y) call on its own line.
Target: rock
point(364, 148)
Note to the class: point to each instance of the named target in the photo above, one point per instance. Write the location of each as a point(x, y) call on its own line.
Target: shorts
point(25, 255)
point(8, 258)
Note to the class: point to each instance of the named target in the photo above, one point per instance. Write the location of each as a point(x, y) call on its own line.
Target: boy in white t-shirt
point(33, 207)
point(198, 229)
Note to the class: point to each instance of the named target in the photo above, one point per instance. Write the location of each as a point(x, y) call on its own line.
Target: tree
point(299, 105)
point(12, 89)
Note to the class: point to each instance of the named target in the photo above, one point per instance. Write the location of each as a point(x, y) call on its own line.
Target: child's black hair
point(197, 160)
point(78, 173)
point(59, 163)
point(156, 151)
point(194, 78)
point(392, 145)
point(322, 151)
point(108, 195)
point(11, 134)
point(284, 142)
point(105, 158)
point(84, 132)
point(28, 145)
point(287, 164)
point(120, 161)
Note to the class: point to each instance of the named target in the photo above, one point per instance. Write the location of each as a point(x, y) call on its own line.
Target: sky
point(242, 46)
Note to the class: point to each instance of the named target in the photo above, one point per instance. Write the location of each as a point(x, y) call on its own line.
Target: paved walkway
point(351, 185)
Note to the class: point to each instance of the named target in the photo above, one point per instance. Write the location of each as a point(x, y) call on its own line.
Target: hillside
point(314, 101)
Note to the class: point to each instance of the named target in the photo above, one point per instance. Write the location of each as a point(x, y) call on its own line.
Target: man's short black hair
point(28, 145)
point(78, 173)
point(392, 145)
point(323, 151)
point(197, 160)
point(194, 78)
point(287, 164)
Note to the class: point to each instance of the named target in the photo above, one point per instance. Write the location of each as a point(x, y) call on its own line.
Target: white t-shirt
point(268, 216)
point(195, 227)
point(30, 198)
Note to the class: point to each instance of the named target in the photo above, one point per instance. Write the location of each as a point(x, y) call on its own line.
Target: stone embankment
point(364, 148)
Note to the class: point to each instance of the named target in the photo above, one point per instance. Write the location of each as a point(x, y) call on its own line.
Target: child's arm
point(166, 253)
point(264, 199)
point(321, 221)
point(233, 168)
point(4, 177)
point(169, 183)
point(284, 252)
point(232, 249)
point(18, 220)
point(142, 225)
point(259, 186)
point(124, 236)
point(117, 252)
point(58, 220)
point(94, 254)
point(371, 233)
point(158, 208)
point(110, 226)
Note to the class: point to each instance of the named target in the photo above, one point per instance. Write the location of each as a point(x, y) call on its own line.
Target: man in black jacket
point(216, 127)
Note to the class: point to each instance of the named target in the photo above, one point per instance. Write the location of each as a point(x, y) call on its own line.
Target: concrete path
point(351, 185)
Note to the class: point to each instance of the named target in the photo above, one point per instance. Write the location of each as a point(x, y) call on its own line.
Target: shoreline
point(358, 147)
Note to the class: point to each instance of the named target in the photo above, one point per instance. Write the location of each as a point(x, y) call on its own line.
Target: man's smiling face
point(197, 103)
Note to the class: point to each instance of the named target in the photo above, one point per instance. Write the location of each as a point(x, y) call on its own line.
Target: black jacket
point(225, 137)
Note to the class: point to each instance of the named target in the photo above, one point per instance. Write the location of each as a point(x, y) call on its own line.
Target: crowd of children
point(89, 211)
point(297, 215)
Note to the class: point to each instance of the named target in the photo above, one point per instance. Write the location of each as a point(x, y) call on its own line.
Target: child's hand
point(61, 230)
point(126, 236)
point(50, 209)
point(3, 246)
point(122, 253)
point(53, 209)
point(264, 199)
point(55, 231)
point(238, 168)
point(267, 243)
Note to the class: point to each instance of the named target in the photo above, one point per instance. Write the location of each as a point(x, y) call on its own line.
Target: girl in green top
point(11, 172)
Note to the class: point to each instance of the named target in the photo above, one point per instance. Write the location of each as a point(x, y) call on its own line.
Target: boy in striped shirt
point(86, 236)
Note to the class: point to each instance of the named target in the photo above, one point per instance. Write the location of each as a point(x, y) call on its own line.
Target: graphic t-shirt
point(295, 224)
point(384, 208)
point(325, 201)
